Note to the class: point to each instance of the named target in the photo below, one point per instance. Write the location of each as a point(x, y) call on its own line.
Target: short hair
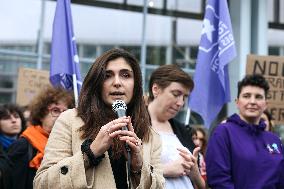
point(48, 96)
point(8, 109)
point(255, 80)
point(165, 75)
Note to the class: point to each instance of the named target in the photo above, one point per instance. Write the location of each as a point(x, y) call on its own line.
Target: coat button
point(64, 170)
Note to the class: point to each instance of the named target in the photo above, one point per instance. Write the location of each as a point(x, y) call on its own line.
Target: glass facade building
point(172, 33)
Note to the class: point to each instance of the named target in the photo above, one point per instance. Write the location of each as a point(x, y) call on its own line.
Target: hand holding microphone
point(111, 130)
point(131, 139)
point(119, 128)
point(119, 107)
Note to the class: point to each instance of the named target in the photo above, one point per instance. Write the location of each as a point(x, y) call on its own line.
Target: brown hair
point(270, 121)
point(48, 96)
point(204, 140)
point(165, 75)
point(95, 113)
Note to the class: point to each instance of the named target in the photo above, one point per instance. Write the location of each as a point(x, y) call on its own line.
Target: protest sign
point(272, 68)
point(30, 83)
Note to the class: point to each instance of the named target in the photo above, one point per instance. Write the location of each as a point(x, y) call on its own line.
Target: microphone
point(119, 107)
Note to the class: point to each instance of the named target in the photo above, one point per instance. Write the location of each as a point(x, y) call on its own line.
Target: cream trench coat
point(63, 164)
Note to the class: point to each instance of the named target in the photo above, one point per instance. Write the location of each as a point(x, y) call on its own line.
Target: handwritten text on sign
point(272, 68)
point(30, 83)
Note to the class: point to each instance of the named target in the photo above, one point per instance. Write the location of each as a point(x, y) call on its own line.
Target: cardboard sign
point(30, 83)
point(272, 68)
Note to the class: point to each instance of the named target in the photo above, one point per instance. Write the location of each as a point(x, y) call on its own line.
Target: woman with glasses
point(169, 88)
point(12, 123)
point(27, 152)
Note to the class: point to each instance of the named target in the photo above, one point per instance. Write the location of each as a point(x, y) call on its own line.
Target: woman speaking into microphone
point(86, 148)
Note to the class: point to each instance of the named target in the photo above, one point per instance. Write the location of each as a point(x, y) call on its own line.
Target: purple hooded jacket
point(244, 156)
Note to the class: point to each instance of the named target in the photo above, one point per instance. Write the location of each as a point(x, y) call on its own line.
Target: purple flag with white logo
point(216, 50)
point(64, 65)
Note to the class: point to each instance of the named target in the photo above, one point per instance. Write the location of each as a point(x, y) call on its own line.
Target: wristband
point(85, 148)
point(136, 172)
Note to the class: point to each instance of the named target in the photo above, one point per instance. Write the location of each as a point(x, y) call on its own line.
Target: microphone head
point(118, 105)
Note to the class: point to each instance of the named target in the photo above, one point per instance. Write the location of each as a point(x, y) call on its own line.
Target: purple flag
point(216, 50)
point(64, 65)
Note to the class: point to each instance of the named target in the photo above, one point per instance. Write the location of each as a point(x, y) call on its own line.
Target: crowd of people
point(22, 146)
point(52, 144)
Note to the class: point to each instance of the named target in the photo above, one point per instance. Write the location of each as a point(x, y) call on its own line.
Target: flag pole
point(216, 50)
point(40, 36)
point(144, 45)
point(64, 64)
point(75, 90)
point(187, 117)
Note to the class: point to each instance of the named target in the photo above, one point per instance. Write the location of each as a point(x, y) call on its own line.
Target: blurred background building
point(170, 33)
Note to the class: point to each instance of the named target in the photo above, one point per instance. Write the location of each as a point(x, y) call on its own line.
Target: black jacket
point(5, 170)
point(183, 134)
point(20, 154)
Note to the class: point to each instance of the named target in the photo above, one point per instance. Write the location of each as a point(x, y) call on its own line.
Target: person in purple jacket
point(240, 153)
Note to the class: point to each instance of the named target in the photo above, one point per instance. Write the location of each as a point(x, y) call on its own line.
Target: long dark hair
point(95, 113)
point(204, 140)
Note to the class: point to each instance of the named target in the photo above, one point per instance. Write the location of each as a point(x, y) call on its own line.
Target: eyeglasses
point(55, 112)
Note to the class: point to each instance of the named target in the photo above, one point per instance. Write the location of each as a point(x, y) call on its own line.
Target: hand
point(174, 168)
point(190, 164)
point(134, 143)
point(181, 166)
point(104, 138)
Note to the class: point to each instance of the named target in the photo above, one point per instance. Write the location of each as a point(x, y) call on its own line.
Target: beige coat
point(63, 163)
